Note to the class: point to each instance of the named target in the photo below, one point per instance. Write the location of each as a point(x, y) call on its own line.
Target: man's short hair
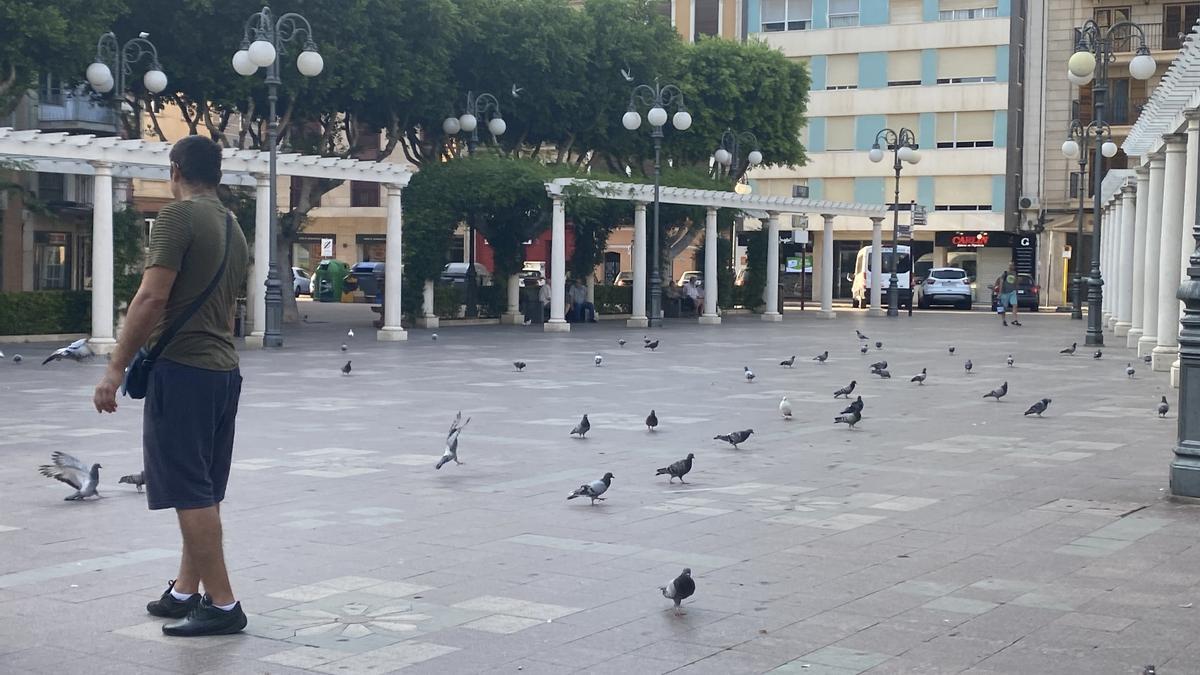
point(198, 160)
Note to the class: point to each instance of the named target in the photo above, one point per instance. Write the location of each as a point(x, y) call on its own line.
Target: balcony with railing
point(74, 112)
point(1125, 41)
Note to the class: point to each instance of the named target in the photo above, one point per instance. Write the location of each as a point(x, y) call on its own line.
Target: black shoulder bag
point(137, 375)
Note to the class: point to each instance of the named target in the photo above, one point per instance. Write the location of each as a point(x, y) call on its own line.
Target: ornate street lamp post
point(263, 40)
point(728, 153)
point(657, 98)
point(1093, 54)
point(114, 63)
point(903, 144)
point(1079, 140)
point(1185, 468)
point(468, 122)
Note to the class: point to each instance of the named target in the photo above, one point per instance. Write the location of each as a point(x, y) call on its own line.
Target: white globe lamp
point(755, 158)
point(1078, 81)
point(497, 126)
point(656, 116)
point(242, 65)
point(155, 80)
point(262, 53)
point(905, 154)
point(1142, 67)
point(310, 63)
point(876, 154)
point(97, 75)
point(914, 156)
point(468, 122)
point(682, 120)
point(723, 156)
point(631, 120)
point(1108, 149)
point(450, 126)
point(1070, 149)
point(1082, 64)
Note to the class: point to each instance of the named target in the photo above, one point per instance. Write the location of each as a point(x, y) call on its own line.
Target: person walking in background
point(1005, 290)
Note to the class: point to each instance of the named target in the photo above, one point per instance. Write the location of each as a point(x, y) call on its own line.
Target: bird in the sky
point(345, 347)
point(450, 453)
point(582, 428)
point(681, 588)
point(846, 390)
point(516, 91)
point(628, 77)
point(1163, 407)
point(822, 357)
point(998, 393)
point(519, 365)
point(651, 421)
point(1038, 407)
point(76, 351)
point(677, 469)
point(346, 368)
point(734, 438)
point(594, 489)
point(788, 362)
point(919, 378)
point(69, 470)
point(350, 333)
point(17, 358)
point(749, 374)
point(1070, 351)
point(785, 408)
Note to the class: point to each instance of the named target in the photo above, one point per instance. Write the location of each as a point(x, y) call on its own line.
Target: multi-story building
point(937, 67)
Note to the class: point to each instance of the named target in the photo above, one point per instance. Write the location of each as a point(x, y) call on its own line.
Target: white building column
point(1186, 243)
point(1154, 212)
point(1137, 310)
point(1107, 269)
point(771, 313)
point(1113, 236)
point(1169, 272)
point(1125, 277)
point(392, 331)
point(558, 269)
point(512, 316)
point(826, 311)
point(711, 285)
point(639, 320)
point(256, 280)
point(428, 317)
point(875, 274)
point(102, 340)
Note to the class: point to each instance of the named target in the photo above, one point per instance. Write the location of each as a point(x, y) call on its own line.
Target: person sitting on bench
point(580, 307)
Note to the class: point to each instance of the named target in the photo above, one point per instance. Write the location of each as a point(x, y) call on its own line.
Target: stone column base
point(1163, 357)
point(1175, 374)
point(1146, 345)
point(1185, 476)
point(428, 322)
point(1105, 320)
point(876, 312)
point(102, 345)
point(709, 320)
point(1122, 328)
point(1133, 337)
point(558, 326)
point(254, 340)
point(391, 334)
point(772, 316)
point(637, 322)
point(512, 319)
point(826, 314)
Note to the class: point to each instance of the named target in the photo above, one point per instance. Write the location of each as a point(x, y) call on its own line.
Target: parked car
point(1027, 293)
point(624, 279)
point(301, 282)
point(692, 274)
point(536, 275)
point(456, 273)
point(945, 286)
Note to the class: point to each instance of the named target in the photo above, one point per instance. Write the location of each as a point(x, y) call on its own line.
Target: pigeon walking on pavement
point(76, 351)
point(863, 349)
point(346, 368)
point(652, 345)
point(345, 347)
point(788, 362)
point(878, 365)
point(651, 421)
point(1098, 354)
point(16, 358)
point(620, 342)
point(519, 365)
point(350, 333)
point(820, 358)
point(968, 366)
point(785, 408)
point(1163, 407)
point(1069, 351)
point(1129, 371)
point(450, 453)
point(951, 348)
point(734, 438)
point(855, 406)
point(749, 374)
point(919, 378)
point(582, 428)
point(878, 344)
point(677, 469)
point(849, 419)
point(860, 335)
point(597, 359)
point(1038, 407)
point(1009, 361)
point(883, 374)
point(998, 393)
point(594, 489)
point(433, 337)
point(681, 588)
point(138, 480)
point(73, 472)
point(845, 391)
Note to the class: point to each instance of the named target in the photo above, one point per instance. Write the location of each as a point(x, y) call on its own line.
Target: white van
point(864, 277)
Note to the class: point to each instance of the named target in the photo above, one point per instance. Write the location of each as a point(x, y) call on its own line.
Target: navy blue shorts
point(187, 434)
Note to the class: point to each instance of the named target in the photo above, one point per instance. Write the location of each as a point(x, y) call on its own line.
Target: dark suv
point(1027, 293)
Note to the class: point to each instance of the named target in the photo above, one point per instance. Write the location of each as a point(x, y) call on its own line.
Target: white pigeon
point(77, 351)
point(785, 408)
point(749, 373)
point(73, 472)
point(350, 333)
point(434, 336)
point(598, 359)
point(450, 454)
point(1010, 361)
point(1129, 371)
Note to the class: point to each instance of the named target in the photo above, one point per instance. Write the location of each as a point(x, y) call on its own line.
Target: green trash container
point(328, 280)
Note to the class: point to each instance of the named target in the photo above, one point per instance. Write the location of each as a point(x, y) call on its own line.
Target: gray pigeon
point(593, 490)
point(919, 378)
point(621, 342)
point(16, 358)
point(681, 588)
point(598, 360)
point(883, 374)
point(138, 480)
point(450, 454)
point(968, 366)
point(748, 373)
point(1163, 407)
point(433, 337)
point(998, 393)
point(73, 472)
point(879, 365)
point(76, 351)
point(651, 421)
point(1038, 407)
point(346, 368)
point(878, 344)
point(1148, 359)
point(1129, 371)
point(860, 335)
point(850, 418)
point(820, 358)
point(651, 345)
point(789, 362)
point(1098, 354)
point(1009, 361)
point(846, 390)
point(345, 347)
point(1070, 351)
point(519, 365)
point(951, 348)
point(863, 349)
point(855, 406)
point(677, 469)
point(734, 438)
point(582, 428)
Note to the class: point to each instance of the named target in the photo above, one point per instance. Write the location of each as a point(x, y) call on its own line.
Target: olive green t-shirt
point(189, 237)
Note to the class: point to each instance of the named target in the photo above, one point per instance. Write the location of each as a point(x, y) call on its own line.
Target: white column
point(102, 340)
point(428, 317)
point(1191, 176)
point(257, 281)
point(392, 331)
point(876, 275)
point(1154, 212)
point(771, 313)
point(638, 320)
point(1112, 273)
point(1125, 277)
point(826, 311)
point(1139, 257)
point(710, 269)
point(512, 316)
point(558, 269)
point(1169, 272)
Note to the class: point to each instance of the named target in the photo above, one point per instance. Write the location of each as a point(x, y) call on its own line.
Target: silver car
point(945, 286)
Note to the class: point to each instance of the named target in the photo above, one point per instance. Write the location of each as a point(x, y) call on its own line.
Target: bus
point(864, 277)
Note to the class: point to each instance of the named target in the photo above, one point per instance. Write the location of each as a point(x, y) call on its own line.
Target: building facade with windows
point(940, 68)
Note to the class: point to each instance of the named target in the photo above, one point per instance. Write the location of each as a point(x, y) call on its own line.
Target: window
point(948, 274)
point(363, 193)
point(708, 20)
point(967, 14)
point(781, 15)
point(51, 261)
point(52, 187)
point(843, 13)
point(904, 68)
point(966, 65)
point(1178, 21)
point(1109, 16)
point(962, 193)
point(966, 129)
point(905, 11)
point(841, 71)
point(839, 135)
point(800, 192)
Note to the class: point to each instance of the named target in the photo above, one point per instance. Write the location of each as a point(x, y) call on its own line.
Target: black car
point(1027, 293)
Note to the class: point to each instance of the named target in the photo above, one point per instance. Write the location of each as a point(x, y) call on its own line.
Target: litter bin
point(328, 280)
point(369, 276)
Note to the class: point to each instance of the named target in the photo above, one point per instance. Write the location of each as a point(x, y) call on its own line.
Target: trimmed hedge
point(614, 299)
point(41, 312)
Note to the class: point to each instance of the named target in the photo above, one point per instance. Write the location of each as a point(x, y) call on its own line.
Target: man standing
point(1006, 290)
point(192, 397)
point(580, 307)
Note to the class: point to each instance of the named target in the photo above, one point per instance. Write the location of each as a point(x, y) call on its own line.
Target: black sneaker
point(167, 607)
point(204, 619)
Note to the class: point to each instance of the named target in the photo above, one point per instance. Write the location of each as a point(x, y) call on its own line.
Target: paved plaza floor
point(946, 534)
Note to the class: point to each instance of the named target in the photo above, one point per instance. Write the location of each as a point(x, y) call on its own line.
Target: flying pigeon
point(850, 418)
point(951, 348)
point(878, 344)
point(878, 365)
point(748, 373)
point(998, 393)
point(651, 421)
point(516, 91)
point(593, 490)
point(846, 390)
point(582, 428)
point(345, 346)
point(860, 335)
point(519, 365)
point(450, 454)
point(346, 368)
point(621, 342)
point(652, 345)
point(628, 77)
point(919, 378)
point(788, 362)
point(677, 469)
point(138, 480)
point(680, 589)
point(76, 351)
point(1009, 361)
point(883, 374)
point(1069, 350)
point(350, 333)
point(735, 437)
point(1163, 407)
point(820, 358)
point(1038, 407)
point(1098, 354)
point(433, 337)
point(597, 359)
point(968, 366)
point(1129, 370)
point(73, 472)
point(785, 408)
point(863, 349)
point(855, 406)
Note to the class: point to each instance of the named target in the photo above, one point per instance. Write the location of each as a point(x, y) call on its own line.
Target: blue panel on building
point(927, 130)
point(1000, 133)
point(868, 190)
point(816, 70)
point(872, 70)
point(865, 129)
point(929, 67)
point(925, 191)
point(873, 12)
point(1002, 63)
point(998, 194)
point(753, 12)
point(930, 10)
point(820, 14)
point(816, 134)
point(816, 188)
point(1003, 8)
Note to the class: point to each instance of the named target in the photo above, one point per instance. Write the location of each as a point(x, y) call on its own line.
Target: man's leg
point(203, 553)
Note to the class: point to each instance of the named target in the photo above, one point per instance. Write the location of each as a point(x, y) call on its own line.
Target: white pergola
point(641, 195)
point(106, 158)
